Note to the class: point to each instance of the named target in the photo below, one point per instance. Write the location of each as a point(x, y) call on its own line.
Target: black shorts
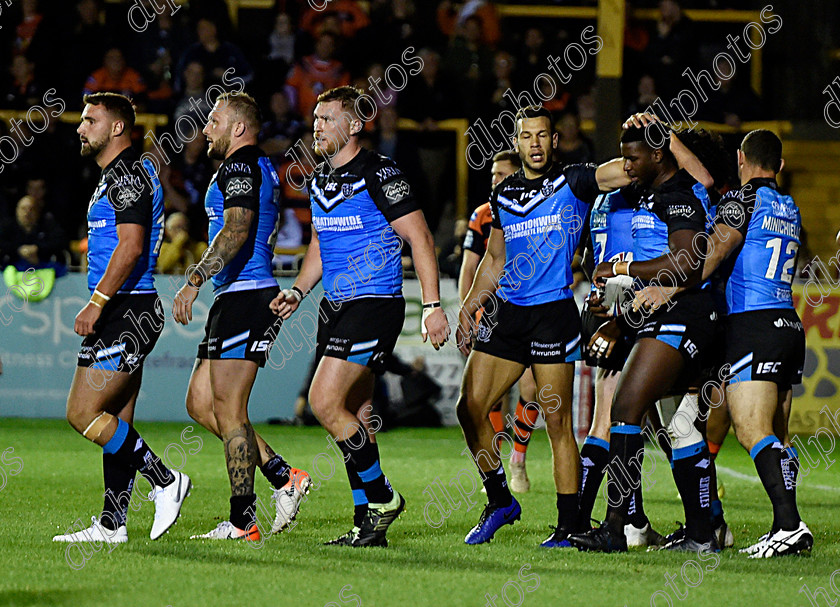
point(125, 334)
point(544, 334)
point(363, 331)
point(240, 325)
point(621, 350)
point(688, 326)
point(765, 345)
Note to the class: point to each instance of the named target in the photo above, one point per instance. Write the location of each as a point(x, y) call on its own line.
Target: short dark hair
point(534, 111)
point(119, 106)
point(243, 106)
point(508, 156)
point(763, 149)
point(636, 134)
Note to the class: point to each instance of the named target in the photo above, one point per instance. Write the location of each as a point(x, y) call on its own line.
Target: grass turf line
point(61, 481)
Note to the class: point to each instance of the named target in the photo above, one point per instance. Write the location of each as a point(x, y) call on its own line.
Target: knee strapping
point(680, 419)
point(96, 427)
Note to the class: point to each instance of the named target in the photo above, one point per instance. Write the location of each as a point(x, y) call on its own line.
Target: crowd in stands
point(285, 57)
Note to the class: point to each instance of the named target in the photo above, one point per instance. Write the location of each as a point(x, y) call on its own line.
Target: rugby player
point(362, 206)
point(756, 239)
point(121, 322)
point(531, 320)
point(475, 244)
point(242, 205)
point(667, 355)
point(608, 344)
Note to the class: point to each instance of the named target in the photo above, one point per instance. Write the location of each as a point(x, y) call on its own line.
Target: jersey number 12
point(790, 254)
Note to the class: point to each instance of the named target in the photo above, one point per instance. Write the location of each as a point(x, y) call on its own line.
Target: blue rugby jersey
point(681, 203)
point(765, 264)
point(541, 220)
point(352, 207)
point(246, 179)
point(610, 225)
point(128, 191)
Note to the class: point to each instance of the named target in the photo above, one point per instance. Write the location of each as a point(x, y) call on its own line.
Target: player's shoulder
point(378, 167)
point(244, 161)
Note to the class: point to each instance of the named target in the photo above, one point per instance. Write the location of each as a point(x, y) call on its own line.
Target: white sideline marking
point(755, 479)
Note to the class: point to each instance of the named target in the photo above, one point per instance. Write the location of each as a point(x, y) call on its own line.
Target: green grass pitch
point(60, 481)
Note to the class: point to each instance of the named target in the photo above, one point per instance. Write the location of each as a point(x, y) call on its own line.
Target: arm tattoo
point(225, 245)
point(241, 457)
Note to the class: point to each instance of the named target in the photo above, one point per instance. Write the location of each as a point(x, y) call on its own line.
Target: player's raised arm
point(611, 175)
point(412, 227)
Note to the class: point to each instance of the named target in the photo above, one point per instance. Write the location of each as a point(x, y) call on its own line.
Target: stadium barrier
point(38, 349)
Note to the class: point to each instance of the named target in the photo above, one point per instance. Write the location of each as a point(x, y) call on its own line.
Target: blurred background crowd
point(287, 54)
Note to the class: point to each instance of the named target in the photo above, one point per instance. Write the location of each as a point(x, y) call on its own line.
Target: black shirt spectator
point(32, 238)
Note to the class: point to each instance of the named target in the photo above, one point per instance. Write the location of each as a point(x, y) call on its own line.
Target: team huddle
point(690, 283)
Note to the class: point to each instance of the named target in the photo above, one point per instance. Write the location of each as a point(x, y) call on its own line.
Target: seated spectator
point(33, 239)
point(469, 62)
point(349, 15)
point(645, 95)
point(557, 99)
point(281, 43)
point(732, 103)
point(450, 17)
point(500, 84)
point(22, 92)
point(116, 77)
point(283, 128)
point(573, 147)
point(178, 251)
point(83, 44)
point(28, 26)
point(215, 55)
point(429, 96)
point(672, 47)
point(313, 75)
point(532, 59)
point(193, 102)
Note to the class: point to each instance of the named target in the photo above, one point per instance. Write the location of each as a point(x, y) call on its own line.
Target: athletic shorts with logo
point(547, 333)
point(688, 326)
point(363, 331)
point(241, 326)
point(765, 345)
point(125, 334)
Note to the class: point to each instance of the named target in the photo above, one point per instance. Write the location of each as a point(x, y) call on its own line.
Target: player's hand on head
point(640, 120)
point(86, 318)
point(182, 308)
point(436, 326)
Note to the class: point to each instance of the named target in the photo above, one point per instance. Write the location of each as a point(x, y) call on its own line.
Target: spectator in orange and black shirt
point(313, 75)
point(116, 77)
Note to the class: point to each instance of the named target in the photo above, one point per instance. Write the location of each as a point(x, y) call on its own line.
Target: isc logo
point(261, 346)
point(690, 347)
point(769, 367)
